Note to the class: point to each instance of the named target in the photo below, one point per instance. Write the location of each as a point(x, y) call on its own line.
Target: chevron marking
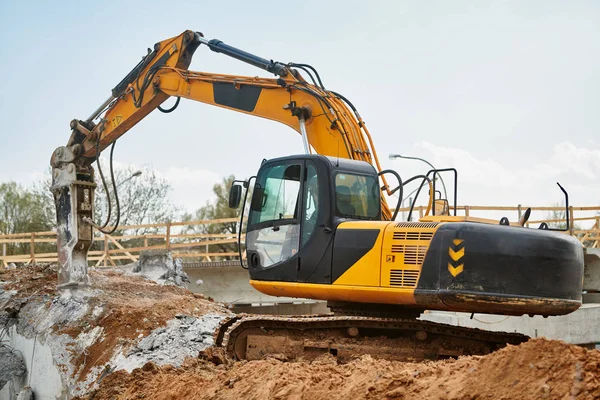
point(456, 251)
point(456, 255)
point(457, 241)
point(454, 271)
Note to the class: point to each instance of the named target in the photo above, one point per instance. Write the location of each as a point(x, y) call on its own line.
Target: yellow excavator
point(319, 226)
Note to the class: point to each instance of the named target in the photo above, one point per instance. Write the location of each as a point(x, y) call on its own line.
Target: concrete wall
point(579, 327)
point(317, 307)
point(42, 375)
point(591, 271)
point(231, 285)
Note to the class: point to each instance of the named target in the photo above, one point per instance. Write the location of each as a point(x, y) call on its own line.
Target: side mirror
point(235, 195)
point(258, 199)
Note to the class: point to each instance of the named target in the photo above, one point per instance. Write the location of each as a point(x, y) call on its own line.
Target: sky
point(507, 92)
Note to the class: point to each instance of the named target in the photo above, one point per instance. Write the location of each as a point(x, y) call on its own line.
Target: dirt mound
point(121, 321)
point(537, 369)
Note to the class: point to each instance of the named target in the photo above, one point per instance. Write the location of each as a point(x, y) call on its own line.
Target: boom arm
point(326, 120)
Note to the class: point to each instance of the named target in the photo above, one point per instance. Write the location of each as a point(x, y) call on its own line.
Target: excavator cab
point(297, 203)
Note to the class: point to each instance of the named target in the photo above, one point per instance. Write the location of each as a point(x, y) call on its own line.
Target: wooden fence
point(127, 247)
point(176, 237)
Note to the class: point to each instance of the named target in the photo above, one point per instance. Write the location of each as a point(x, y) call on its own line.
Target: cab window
point(357, 196)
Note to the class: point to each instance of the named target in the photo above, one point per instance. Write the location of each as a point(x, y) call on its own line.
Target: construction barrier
point(206, 247)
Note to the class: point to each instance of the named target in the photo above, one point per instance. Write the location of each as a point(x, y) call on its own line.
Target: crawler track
point(306, 337)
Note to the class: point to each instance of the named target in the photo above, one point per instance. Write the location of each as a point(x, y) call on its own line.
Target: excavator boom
point(328, 123)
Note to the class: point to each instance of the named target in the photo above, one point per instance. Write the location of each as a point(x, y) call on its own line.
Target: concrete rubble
point(159, 266)
point(183, 337)
point(62, 344)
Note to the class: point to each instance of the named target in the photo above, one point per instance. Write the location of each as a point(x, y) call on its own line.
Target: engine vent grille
point(416, 224)
point(412, 254)
point(402, 235)
point(403, 278)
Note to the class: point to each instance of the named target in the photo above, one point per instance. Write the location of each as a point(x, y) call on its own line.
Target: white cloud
point(192, 187)
point(189, 176)
point(498, 181)
point(472, 170)
point(582, 161)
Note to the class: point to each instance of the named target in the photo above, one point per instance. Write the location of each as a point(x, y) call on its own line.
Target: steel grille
point(416, 224)
point(403, 278)
point(401, 235)
point(412, 254)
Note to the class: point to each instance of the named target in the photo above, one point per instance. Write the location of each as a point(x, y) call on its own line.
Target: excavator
point(319, 226)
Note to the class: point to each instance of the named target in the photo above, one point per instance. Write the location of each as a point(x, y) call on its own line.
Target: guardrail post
point(168, 236)
point(519, 211)
point(105, 250)
point(467, 211)
point(572, 225)
point(145, 241)
point(32, 248)
point(597, 233)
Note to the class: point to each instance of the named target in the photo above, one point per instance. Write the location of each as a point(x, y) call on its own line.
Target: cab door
point(273, 236)
point(289, 234)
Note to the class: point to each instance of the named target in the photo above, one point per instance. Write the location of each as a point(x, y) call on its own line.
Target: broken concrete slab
point(11, 365)
point(159, 266)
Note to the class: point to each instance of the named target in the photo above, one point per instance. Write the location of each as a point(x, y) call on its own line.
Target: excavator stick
point(73, 189)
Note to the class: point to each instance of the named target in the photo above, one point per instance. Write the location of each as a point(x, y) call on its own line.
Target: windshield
point(275, 232)
point(357, 196)
point(278, 200)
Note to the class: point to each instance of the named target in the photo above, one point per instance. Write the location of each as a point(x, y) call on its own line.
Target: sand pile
point(538, 369)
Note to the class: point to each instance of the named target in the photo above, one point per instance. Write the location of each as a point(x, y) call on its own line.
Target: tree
point(23, 210)
point(143, 199)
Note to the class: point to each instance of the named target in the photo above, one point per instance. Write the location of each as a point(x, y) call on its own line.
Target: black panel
point(243, 98)
point(351, 245)
point(316, 266)
point(503, 261)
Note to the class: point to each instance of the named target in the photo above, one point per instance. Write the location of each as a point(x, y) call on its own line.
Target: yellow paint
point(457, 241)
point(456, 255)
point(359, 294)
point(116, 121)
point(455, 271)
point(367, 270)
